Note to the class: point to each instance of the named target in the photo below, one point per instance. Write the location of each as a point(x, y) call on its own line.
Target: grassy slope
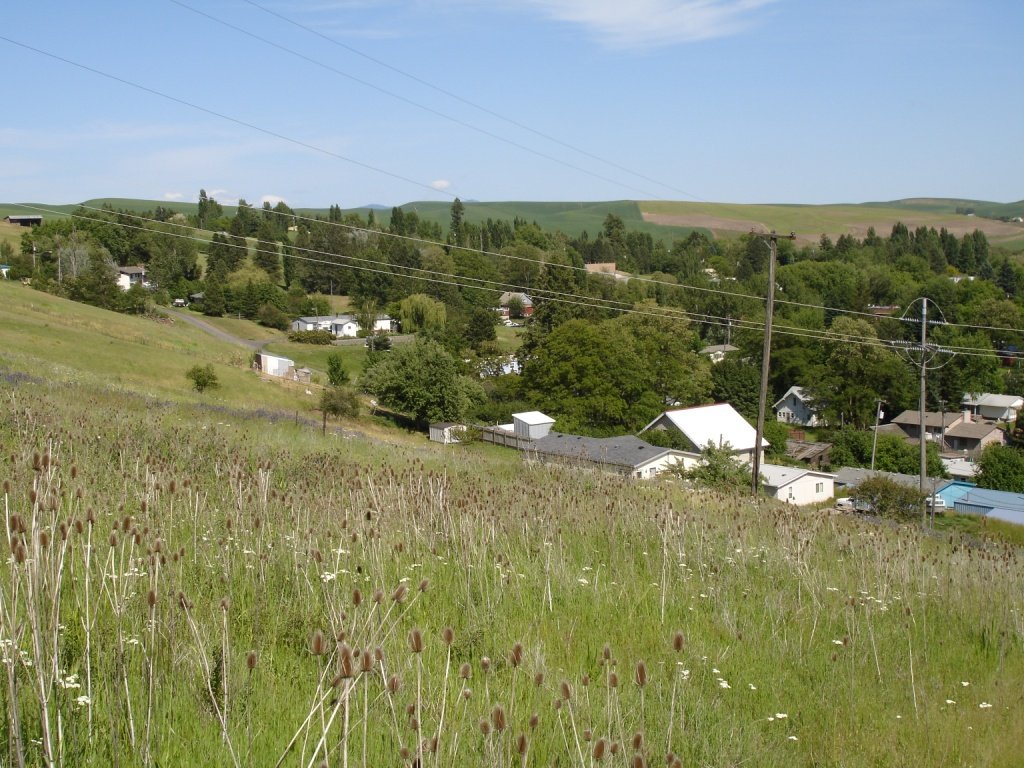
point(60, 339)
point(858, 634)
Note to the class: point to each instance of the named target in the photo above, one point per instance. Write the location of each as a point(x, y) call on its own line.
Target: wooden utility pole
point(769, 312)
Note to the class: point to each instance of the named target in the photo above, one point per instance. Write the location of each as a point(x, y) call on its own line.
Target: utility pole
point(928, 353)
point(874, 437)
point(924, 434)
point(769, 312)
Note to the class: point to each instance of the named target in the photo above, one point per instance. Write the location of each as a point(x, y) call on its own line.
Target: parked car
point(845, 503)
point(179, 303)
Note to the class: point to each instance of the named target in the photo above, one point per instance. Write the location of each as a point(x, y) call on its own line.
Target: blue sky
point(391, 101)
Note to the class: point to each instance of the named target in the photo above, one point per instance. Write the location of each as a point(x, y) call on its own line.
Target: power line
point(408, 101)
point(434, 276)
point(467, 102)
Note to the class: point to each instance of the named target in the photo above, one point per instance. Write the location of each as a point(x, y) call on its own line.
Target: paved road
point(213, 330)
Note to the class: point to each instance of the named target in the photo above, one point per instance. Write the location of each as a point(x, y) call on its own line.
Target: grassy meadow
point(190, 583)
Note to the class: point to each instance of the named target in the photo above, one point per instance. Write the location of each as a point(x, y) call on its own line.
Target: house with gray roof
point(998, 407)
point(626, 454)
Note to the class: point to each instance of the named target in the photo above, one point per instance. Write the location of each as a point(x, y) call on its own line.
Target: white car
point(846, 504)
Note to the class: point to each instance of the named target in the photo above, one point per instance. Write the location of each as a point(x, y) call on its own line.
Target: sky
point(385, 102)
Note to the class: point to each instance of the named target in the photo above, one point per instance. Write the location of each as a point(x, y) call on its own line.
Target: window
point(819, 488)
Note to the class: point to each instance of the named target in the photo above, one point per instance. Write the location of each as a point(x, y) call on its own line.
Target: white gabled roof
point(533, 418)
point(798, 392)
point(717, 424)
point(779, 476)
point(995, 401)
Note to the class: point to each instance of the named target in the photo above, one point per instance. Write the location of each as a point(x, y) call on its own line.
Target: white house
point(717, 424)
point(129, 276)
point(272, 365)
point(625, 454)
point(795, 407)
point(999, 407)
point(531, 425)
point(341, 326)
point(716, 352)
point(797, 485)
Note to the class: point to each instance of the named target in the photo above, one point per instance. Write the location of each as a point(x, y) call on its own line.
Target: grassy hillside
point(191, 584)
point(61, 340)
point(669, 220)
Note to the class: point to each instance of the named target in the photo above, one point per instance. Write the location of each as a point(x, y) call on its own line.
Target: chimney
point(967, 416)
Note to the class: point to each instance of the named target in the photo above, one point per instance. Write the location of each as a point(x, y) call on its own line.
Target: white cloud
point(441, 184)
point(273, 200)
point(173, 195)
point(653, 23)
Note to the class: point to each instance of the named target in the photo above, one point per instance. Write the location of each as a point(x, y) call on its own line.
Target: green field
point(203, 580)
point(668, 220)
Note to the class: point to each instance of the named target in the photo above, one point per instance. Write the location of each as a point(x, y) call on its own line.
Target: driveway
point(213, 330)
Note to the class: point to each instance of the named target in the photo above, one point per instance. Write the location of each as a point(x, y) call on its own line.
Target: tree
point(1001, 468)
point(858, 371)
point(590, 377)
point(420, 312)
point(480, 327)
point(339, 401)
point(888, 498)
point(736, 383)
point(423, 380)
point(336, 373)
point(202, 377)
point(719, 469)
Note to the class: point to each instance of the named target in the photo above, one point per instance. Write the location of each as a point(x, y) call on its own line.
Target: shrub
point(202, 377)
point(311, 337)
point(889, 499)
point(339, 401)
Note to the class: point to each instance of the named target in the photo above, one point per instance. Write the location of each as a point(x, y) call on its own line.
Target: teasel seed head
point(357, 597)
point(317, 644)
point(641, 674)
point(566, 690)
point(638, 762)
point(521, 744)
point(378, 596)
point(534, 720)
point(399, 594)
point(599, 749)
point(677, 642)
point(588, 735)
point(394, 684)
point(416, 641)
point(485, 728)
point(585, 680)
point(151, 598)
point(251, 659)
point(466, 693)
point(465, 670)
point(365, 662)
point(44, 539)
point(606, 652)
point(515, 656)
point(447, 635)
point(538, 679)
point(498, 718)
point(113, 538)
point(638, 741)
point(424, 585)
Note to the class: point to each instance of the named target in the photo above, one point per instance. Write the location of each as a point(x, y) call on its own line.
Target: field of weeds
point(187, 586)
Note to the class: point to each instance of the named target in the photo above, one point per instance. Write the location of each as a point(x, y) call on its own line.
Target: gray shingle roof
point(622, 451)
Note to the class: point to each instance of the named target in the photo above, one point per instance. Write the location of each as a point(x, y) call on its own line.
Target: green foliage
point(311, 337)
point(591, 379)
point(270, 316)
point(340, 401)
point(1001, 467)
point(718, 469)
point(890, 499)
point(737, 383)
point(336, 373)
point(852, 448)
point(776, 434)
point(423, 380)
point(419, 312)
point(203, 377)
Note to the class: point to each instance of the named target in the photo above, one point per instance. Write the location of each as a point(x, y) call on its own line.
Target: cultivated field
point(193, 584)
point(809, 222)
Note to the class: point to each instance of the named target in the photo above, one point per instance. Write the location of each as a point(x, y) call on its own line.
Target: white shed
point(446, 432)
point(797, 485)
point(272, 365)
point(717, 424)
point(531, 425)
